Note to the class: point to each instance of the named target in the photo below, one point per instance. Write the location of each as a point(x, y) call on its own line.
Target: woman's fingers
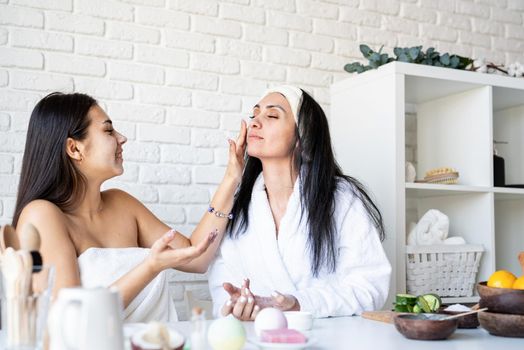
point(201, 247)
point(238, 308)
point(256, 310)
point(232, 149)
point(231, 289)
point(227, 308)
point(163, 242)
point(181, 256)
point(248, 308)
point(283, 302)
point(241, 139)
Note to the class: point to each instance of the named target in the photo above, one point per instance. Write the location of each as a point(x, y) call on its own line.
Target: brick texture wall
point(177, 76)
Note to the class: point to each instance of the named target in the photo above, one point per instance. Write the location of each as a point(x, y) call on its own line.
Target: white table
point(357, 333)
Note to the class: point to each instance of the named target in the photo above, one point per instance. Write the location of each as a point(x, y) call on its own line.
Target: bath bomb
point(226, 333)
point(268, 319)
point(288, 336)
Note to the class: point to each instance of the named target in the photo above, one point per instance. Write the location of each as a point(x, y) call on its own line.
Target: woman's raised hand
point(237, 149)
point(162, 256)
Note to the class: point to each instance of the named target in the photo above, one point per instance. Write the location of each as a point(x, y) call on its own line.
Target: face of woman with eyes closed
point(101, 151)
point(271, 133)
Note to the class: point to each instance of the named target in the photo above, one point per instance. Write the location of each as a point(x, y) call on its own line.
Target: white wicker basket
point(446, 270)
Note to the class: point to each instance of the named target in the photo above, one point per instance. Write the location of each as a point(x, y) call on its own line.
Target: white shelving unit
point(458, 116)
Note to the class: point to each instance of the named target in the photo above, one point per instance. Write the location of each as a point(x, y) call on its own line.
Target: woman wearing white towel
point(101, 238)
point(303, 236)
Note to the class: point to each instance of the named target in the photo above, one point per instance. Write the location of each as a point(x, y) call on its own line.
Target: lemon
point(519, 283)
point(501, 279)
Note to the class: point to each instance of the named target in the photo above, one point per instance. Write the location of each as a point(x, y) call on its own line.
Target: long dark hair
point(320, 176)
point(47, 170)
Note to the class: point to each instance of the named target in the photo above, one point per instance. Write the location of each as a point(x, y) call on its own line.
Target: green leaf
point(397, 51)
point(403, 58)
point(414, 52)
point(352, 67)
point(444, 59)
point(365, 50)
point(375, 57)
point(374, 64)
point(454, 62)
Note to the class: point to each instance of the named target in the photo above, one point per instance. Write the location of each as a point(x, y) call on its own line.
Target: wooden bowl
point(425, 326)
point(468, 321)
point(503, 325)
point(501, 300)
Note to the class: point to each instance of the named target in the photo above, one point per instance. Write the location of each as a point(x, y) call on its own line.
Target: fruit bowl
point(504, 325)
point(501, 300)
point(468, 321)
point(425, 326)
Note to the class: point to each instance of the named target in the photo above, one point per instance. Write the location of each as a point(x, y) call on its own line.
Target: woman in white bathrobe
point(303, 236)
point(106, 238)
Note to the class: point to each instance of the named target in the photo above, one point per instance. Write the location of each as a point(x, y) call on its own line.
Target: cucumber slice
point(401, 308)
point(433, 300)
point(405, 299)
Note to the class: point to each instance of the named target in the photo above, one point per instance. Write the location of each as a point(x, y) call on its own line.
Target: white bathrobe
point(361, 280)
point(101, 267)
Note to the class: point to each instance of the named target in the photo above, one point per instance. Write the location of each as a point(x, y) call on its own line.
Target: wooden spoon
point(463, 314)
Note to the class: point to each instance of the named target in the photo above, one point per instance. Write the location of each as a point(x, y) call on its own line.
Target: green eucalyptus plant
point(410, 55)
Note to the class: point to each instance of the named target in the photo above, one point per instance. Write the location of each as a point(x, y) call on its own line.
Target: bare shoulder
point(117, 196)
point(49, 219)
point(41, 210)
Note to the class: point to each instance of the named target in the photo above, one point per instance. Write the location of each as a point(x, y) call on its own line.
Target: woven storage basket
point(446, 270)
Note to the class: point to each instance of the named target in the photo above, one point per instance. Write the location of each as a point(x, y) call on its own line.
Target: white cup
point(299, 320)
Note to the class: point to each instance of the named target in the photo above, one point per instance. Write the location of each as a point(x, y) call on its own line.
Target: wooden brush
point(8, 238)
point(30, 241)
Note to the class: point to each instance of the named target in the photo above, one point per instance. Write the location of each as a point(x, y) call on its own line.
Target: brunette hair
point(47, 170)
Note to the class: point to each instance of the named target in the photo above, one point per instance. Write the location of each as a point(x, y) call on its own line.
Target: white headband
point(293, 96)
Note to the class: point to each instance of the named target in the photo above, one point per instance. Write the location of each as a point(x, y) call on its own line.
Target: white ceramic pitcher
point(86, 319)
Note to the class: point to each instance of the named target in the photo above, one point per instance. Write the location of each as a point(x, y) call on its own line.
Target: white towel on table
point(432, 228)
point(101, 267)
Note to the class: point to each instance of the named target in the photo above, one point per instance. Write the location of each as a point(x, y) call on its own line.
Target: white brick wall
point(177, 76)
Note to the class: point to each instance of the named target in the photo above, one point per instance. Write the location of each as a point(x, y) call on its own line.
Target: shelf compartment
point(455, 131)
point(508, 126)
point(470, 216)
point(509, 234)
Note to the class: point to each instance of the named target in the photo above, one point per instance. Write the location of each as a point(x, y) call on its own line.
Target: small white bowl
point(300, 320)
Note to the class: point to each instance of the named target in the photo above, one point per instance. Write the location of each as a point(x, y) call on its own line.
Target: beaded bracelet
point(219, 214)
